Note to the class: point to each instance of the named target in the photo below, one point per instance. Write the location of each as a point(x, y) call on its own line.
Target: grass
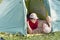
point(50, 36)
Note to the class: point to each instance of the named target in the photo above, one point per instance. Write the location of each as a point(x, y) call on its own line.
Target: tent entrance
point(40, 7)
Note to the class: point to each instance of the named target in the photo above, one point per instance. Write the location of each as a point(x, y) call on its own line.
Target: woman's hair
point(28, 15)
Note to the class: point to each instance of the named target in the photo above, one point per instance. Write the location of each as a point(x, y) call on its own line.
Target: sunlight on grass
point(50, 36)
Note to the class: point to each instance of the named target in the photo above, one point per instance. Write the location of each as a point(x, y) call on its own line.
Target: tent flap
point(41, 7)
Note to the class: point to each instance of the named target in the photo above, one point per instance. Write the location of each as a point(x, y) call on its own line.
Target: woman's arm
point(29, 30)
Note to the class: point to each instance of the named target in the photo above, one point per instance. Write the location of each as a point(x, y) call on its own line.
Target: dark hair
point(28, 15)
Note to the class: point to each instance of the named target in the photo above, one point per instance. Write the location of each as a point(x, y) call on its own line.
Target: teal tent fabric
point(55, 14)
point(13, 16)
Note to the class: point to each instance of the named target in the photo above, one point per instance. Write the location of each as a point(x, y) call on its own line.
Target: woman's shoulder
point(28, 19)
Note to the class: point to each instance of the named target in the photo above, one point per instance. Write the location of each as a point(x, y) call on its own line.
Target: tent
point(13, 16)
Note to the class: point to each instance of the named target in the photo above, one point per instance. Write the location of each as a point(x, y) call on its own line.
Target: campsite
point(13, 19)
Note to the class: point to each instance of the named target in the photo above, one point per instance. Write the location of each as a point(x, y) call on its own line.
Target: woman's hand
point(29, 30)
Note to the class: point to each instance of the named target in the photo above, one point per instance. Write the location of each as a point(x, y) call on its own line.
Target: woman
point(33, 24)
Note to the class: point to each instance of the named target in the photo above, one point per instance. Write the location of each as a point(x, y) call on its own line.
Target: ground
point(50, 36)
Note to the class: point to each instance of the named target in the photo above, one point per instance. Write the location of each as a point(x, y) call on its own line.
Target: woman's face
point(33, 20)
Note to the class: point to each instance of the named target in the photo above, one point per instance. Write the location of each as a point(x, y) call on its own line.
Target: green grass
point(50, 36)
